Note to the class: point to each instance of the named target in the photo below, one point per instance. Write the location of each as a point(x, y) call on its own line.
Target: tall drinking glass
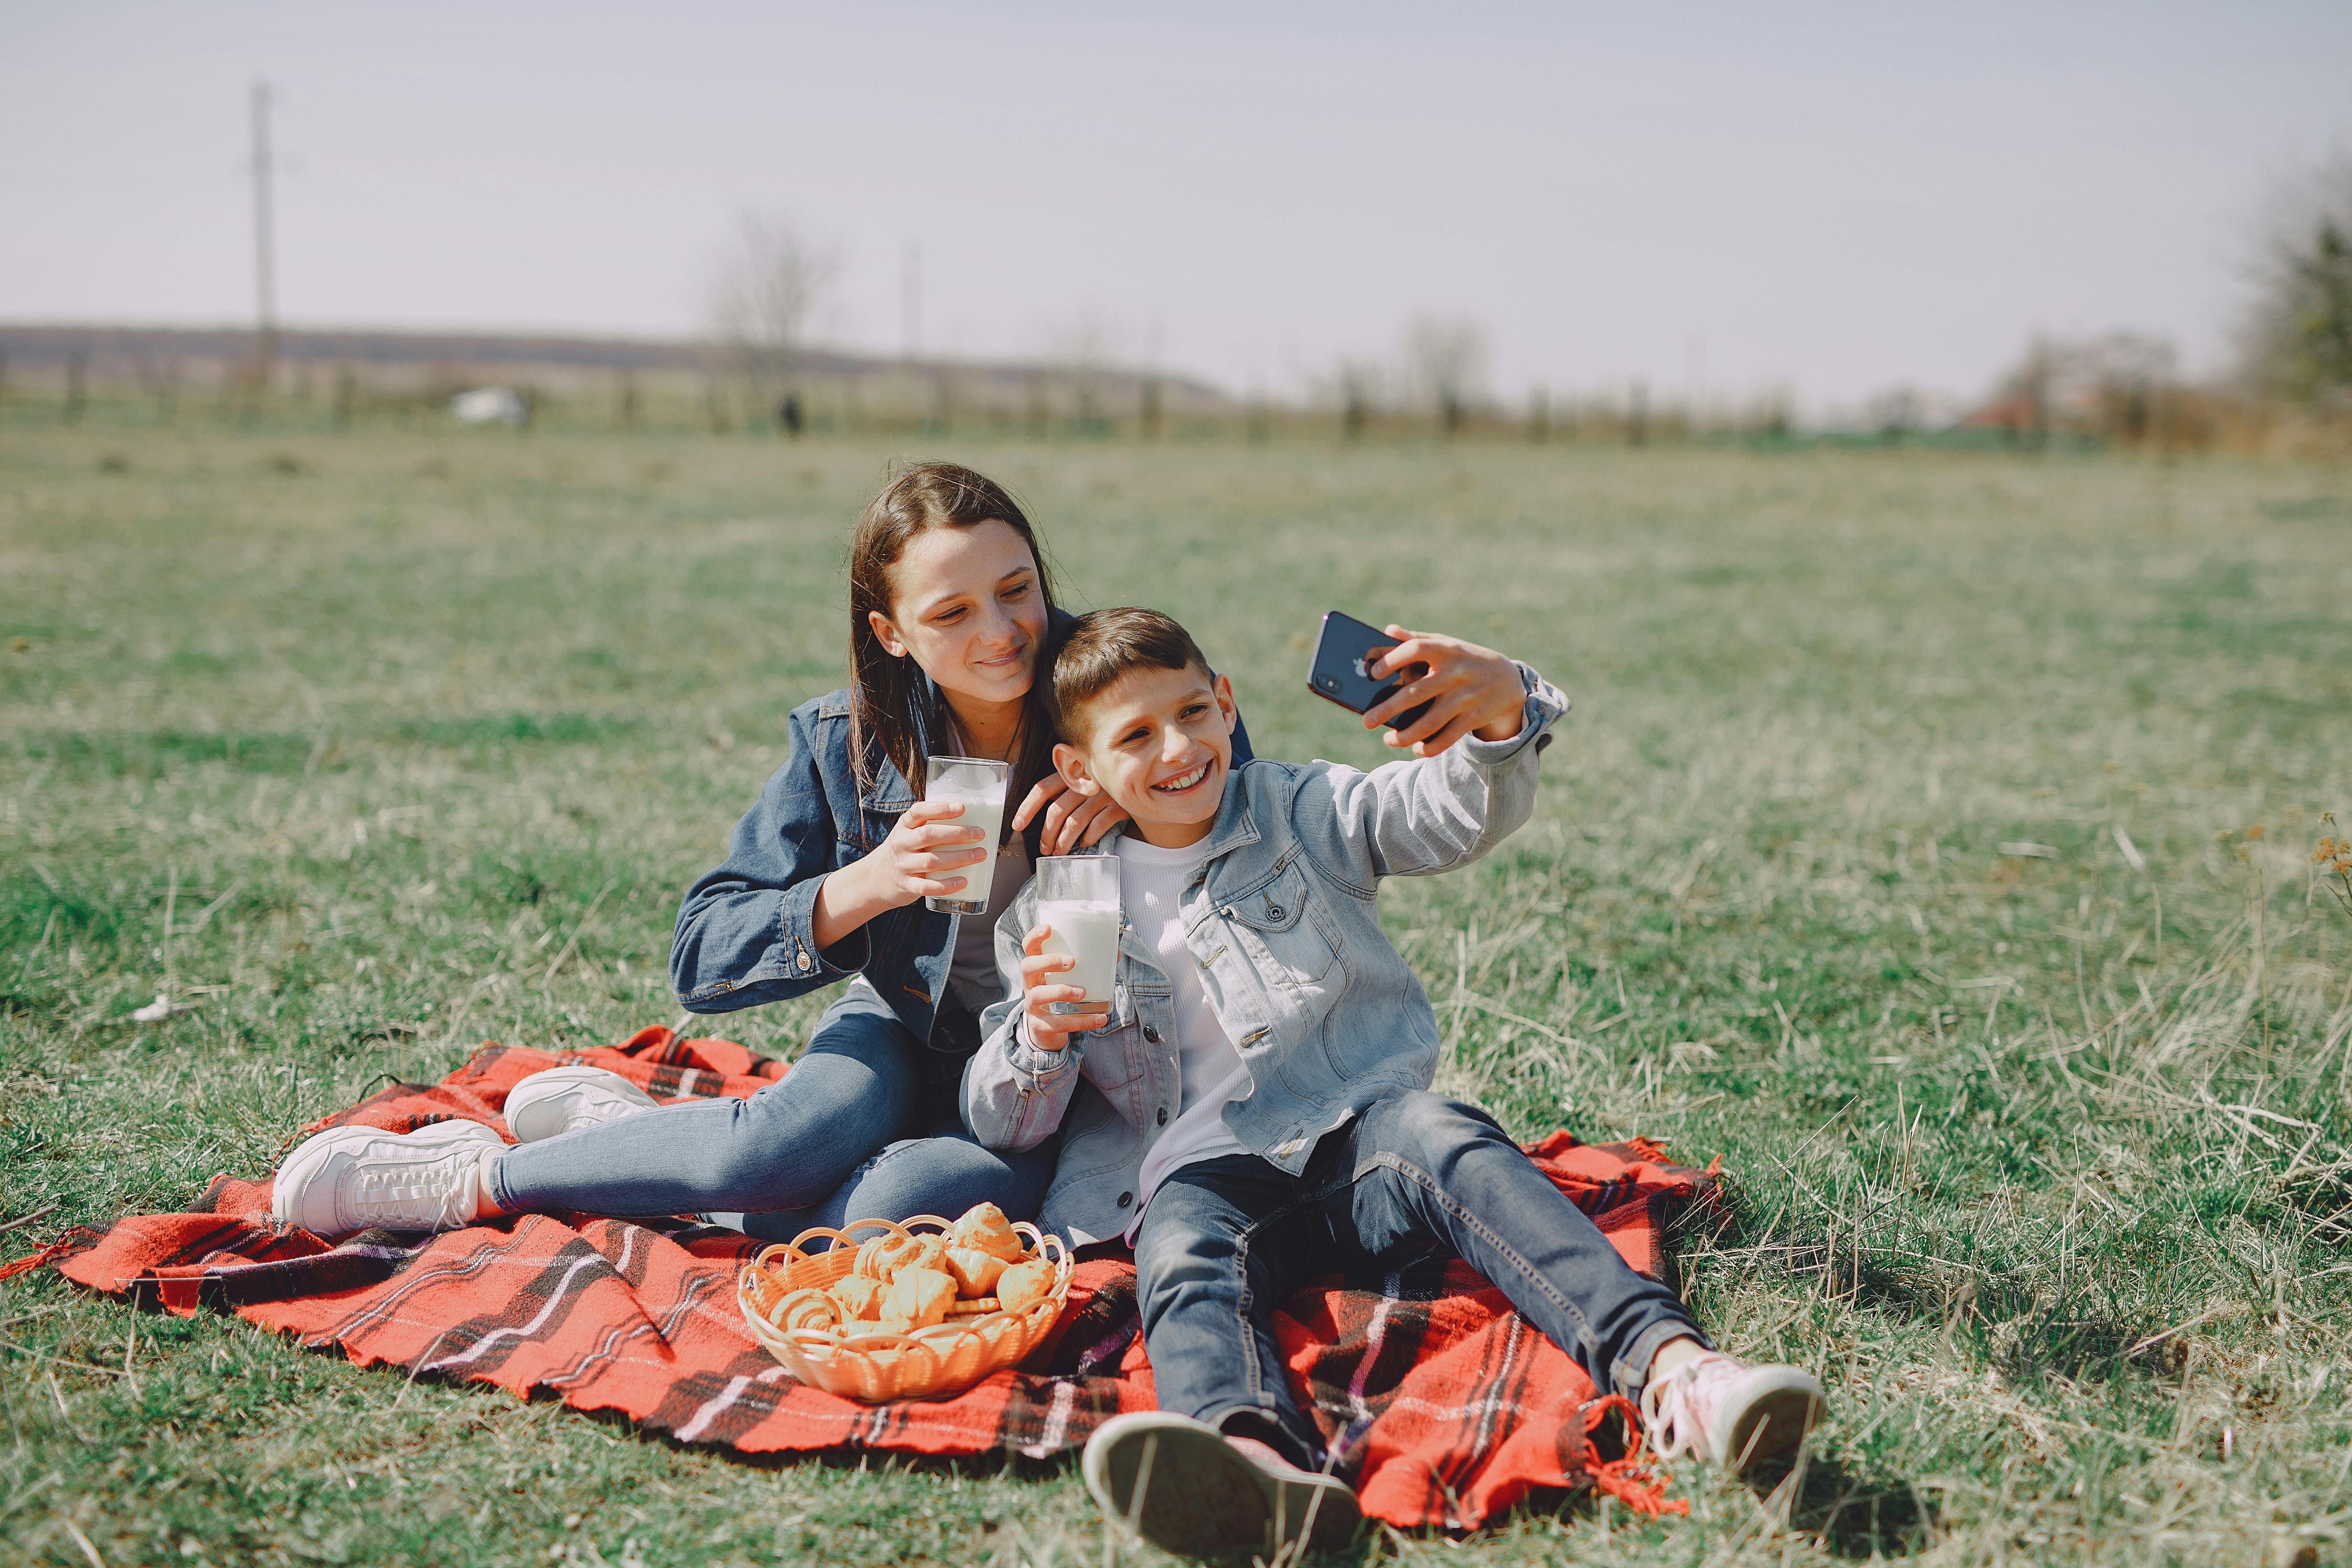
point(979, 783)
point(1077, 900)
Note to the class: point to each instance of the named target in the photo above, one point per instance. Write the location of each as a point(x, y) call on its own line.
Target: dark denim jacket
point(744, 931)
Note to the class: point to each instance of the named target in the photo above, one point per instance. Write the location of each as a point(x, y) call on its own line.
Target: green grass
point(2053, 1193)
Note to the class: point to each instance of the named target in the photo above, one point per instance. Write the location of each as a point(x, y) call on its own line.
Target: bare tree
point(1355, 386)
point(767, 283)
point(2299, 342)
point(2107, 387)
point(1085, 348)
point(1447, 358)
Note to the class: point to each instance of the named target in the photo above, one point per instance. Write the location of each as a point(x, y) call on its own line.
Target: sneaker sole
point(1771, 1426)
point(1202, 1498)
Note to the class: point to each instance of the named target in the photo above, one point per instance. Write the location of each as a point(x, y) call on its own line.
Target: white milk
point(1089, 933)
point(983, 809)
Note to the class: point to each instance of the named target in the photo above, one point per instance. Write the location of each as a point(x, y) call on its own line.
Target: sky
point(1715, 200)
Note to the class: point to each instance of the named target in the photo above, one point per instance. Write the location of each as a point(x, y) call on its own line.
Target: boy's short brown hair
point(1104, 645)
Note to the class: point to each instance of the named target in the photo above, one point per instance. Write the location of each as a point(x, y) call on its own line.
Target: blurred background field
point(1932, 840)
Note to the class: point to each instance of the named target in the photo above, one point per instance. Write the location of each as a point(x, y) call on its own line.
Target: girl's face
point(965, 604)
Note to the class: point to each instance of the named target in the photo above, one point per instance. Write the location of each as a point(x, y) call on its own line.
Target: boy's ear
point(1071, 763)
point(886, 634)
point(1225, 705)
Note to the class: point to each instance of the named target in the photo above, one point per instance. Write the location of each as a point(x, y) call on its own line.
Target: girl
point(950, 607)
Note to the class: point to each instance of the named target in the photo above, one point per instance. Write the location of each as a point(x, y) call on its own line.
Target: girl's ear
point(1071, 763)
point(886, 634)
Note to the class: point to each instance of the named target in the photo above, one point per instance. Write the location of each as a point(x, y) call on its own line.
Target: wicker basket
point(867, 1362)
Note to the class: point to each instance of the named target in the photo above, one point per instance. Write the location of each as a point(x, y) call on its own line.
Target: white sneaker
point(352, 1178)
point(1729, 1412)
point(564, 1100)
point(1202, 1497)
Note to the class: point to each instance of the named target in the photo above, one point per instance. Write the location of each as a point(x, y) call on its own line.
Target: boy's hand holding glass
point(1045, 985)
point(1471, 690)
point(1069, 967)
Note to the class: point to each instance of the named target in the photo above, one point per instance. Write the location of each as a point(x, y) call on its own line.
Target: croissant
point(807, 1310)
point(1023, 1283)
point(884, 1256)
point(918, 1298)
point(984, 1228)
point(975, 1271)
point(860, 1297)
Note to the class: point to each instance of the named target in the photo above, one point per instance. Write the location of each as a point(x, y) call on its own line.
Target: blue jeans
point(864, 1126)
point(1226, 1241)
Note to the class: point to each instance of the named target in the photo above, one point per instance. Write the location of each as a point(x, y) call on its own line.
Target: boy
point(1254, 1110)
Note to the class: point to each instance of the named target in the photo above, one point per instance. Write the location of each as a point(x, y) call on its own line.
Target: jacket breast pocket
point(1115, 1053)
point(1296, 934)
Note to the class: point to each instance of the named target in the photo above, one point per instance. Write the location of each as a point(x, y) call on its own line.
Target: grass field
point(377, 746)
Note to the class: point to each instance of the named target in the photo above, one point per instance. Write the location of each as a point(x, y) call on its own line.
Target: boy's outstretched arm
point(1018, 1085)
point(1447, 808)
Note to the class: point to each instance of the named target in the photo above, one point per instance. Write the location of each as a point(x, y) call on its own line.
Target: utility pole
point(910, 301)
point(265, 280)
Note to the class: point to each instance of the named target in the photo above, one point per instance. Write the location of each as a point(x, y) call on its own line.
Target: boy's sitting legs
point(1225, 1241)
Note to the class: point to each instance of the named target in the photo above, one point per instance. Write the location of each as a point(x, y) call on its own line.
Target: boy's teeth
point(1186, 782)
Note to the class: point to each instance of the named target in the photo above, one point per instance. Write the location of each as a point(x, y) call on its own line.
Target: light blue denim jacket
point(1284, 922)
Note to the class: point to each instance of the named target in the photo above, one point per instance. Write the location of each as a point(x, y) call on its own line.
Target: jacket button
point(1274, 911)
point(804, 961)
point(1163, 1116)
point(1151, 1033)
point(1124, 1199)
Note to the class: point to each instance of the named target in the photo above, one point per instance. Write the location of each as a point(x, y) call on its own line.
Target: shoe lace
point(1673, 1406)
point(429, 1193)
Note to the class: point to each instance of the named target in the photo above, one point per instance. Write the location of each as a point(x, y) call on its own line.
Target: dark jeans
point(1226, 1241)
point(863, 1127)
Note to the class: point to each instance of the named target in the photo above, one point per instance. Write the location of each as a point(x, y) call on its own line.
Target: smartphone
point(1338, 673)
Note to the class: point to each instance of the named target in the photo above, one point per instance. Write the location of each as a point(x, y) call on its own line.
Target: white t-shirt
point(1151, 889)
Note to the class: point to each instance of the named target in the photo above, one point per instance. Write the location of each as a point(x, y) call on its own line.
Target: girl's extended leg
point(858, 1088)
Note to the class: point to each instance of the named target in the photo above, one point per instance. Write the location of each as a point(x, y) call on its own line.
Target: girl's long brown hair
point(891, 715)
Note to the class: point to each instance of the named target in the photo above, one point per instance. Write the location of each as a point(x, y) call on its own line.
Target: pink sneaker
point(1736, 1414)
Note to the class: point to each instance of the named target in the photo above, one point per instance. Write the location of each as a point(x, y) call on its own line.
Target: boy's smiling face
point(1159, 742)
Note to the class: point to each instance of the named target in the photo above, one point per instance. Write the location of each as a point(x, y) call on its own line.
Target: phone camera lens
point(1329, 683)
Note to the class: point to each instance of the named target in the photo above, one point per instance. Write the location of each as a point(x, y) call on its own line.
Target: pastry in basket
point(975, 1271)
point(984, 1228)
point(918, 1298)
point(860, 1296)
point(805, 1309)
point(884, 1256)
point(1023, 1283)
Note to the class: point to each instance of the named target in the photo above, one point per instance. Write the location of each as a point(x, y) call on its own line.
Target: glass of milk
point(1077, 902)
point(979, 783)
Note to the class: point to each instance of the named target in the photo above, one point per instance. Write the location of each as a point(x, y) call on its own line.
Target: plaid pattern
point(1445, 1405)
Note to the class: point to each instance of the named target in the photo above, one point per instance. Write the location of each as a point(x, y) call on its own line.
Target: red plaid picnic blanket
point(1446, 1407)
